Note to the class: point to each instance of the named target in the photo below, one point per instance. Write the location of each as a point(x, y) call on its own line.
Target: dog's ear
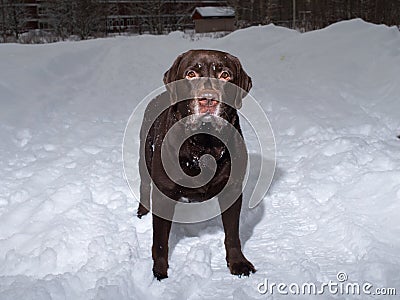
point(243, 81)
point(171, 75)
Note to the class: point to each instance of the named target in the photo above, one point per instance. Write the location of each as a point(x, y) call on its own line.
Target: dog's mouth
point(206, 108)
point(208, 101)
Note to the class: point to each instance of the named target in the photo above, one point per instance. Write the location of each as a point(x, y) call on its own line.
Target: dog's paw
point(160, 269)
point(241, 268)
point(141, 211)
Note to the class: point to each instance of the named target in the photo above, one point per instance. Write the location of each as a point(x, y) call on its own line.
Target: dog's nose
point(208, 102)
point(208, 98)
point(209, 95)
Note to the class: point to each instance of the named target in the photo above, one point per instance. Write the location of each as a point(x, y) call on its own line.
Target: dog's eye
point(190, 74)
point(224, 75)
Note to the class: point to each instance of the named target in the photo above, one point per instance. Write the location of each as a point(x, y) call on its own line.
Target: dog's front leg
point(161, 229)
point(237, 262)
point(163, 212)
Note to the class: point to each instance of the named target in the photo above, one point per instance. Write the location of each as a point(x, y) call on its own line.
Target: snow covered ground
point(67, 218)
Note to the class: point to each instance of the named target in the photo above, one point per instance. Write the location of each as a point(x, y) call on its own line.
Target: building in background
point(117, 16)
point(213, 18)
point(93, 18)
point(153, 16)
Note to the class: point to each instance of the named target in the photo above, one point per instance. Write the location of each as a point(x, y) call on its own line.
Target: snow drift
point(67, 219)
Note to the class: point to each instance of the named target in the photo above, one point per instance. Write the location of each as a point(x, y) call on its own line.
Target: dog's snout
point(208, 101)
point(207, 83)
point(208, 95)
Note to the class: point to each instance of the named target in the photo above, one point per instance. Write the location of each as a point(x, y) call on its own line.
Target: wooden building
point(137, 16)
point(213, 18)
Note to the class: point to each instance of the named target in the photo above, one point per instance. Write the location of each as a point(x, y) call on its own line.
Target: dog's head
point(202, 77)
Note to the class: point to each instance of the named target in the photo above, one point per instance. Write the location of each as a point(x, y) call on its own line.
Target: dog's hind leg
point(145, 161)
point(145, 188)
point(144, 204)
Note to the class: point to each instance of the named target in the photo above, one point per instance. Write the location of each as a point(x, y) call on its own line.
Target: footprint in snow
point(3, 202)
point(71, 165)
point(23, 137)
point(49, 147)
point(23, 173)
point(91, 149)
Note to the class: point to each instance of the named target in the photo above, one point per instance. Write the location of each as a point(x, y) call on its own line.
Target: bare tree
point(160, 16)
point(3, 23)
point(88, 17)
point(153, 15)
point(14, 17)
point(60, 17)
point(250, 12)
point(109, 10)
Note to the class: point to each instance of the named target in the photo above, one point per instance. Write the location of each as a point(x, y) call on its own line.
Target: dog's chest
point(191, 152)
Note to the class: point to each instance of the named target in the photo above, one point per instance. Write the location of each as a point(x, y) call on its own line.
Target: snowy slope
point(67, 218)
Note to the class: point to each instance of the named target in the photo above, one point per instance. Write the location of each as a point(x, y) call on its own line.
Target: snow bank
point(67, 219)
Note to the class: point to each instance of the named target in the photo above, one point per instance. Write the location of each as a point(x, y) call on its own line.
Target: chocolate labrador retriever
point(208, 101)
